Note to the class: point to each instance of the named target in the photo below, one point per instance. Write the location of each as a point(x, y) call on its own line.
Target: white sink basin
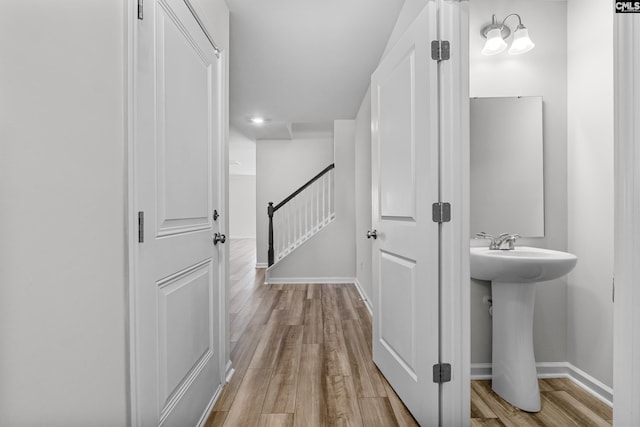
point(513, 373)
point(521, 265)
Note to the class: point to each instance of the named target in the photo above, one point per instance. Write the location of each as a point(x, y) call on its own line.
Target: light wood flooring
point(301, 354)
point(564, 404)
point(302, 357)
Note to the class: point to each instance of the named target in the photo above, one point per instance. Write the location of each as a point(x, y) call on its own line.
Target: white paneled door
point(176, 165)
point(406, 250)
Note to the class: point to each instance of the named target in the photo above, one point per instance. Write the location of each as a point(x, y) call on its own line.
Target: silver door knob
point(372, 234)
point(219, 238)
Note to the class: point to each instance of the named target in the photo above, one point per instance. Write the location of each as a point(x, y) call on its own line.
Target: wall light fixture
point(496, 34)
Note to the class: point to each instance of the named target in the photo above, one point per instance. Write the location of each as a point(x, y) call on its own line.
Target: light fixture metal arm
point(511, 14)
point(504, 30)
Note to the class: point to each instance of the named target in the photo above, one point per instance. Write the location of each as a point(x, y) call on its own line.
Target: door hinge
point(442, 373)
point(440, 50)
point(441, 212)
point(140, 9)
point(613, 290)
point(140, 227)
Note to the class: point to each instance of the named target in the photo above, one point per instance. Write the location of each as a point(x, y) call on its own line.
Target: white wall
point(281, 167)
point(409, 12)
point(63, 251)
point(63, 296)
point(329, 254)
point(242, 186)
point(590, 180)
point(541, 72)
point(242, 154)
point(242, 206)
point(363, 196)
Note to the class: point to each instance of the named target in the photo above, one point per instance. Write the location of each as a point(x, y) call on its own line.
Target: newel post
point(270, 213)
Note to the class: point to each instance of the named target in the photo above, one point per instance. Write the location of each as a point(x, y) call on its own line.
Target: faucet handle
point(483, 235)
point(493, 240)
point(509, 241)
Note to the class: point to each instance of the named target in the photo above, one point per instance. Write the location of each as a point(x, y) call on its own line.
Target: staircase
point(301, 215)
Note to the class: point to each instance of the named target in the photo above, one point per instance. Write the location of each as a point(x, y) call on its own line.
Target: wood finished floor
point(564, 404)
point(301, 354)
point(302, 357)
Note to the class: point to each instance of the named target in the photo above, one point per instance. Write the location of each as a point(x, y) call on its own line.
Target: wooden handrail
point(301, 189)
point(272, 209)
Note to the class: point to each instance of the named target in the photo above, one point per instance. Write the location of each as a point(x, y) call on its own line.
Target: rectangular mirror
point(507, 184)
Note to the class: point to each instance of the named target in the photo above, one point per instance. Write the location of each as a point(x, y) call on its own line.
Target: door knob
point(372, 234)
point(219, 238)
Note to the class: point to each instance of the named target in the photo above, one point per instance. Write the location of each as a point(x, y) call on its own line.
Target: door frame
point(626, 320)
point(455, 316)
point(129, 87)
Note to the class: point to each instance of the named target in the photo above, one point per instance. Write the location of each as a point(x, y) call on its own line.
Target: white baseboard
point(307, 280)
point(482, 371)
point(229, 371)
point(262, 264)
point(212, 402)
point(364, 297)
point(228, 374)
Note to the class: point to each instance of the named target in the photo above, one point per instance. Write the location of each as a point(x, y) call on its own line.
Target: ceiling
point(301, 62)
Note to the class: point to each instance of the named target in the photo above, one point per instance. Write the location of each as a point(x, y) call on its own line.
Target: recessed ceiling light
point(256, 120)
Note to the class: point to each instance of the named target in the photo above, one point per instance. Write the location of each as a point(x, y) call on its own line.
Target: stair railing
point(300, 215)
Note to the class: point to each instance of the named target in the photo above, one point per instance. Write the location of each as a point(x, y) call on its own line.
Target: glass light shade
point(521, 42)
point(495, 43)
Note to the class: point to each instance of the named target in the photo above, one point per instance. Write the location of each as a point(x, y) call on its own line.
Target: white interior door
point(176, 164)
point(406, 251)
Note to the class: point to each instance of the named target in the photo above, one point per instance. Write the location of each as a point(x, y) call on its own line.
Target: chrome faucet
point(503, 242)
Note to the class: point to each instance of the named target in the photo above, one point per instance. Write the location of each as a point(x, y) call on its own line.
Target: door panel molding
point(397, 181)
point(177, 277)
point(405, 184)
point(184, 327)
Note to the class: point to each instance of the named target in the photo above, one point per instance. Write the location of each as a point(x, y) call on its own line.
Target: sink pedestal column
point(514, 375)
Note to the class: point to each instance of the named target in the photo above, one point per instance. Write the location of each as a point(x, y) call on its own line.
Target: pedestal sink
point(513, 274)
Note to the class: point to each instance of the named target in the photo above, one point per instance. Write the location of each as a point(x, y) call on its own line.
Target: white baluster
point(328, 200)
point(289, 226)
point(276, 231)
point(330, 195)
point(296, 220)
point(275, 236)
point(281, 231)
point(285, 221)
point(299, 204)
point(319, 204)
point(324, 198)
point(307, 201)
point(333, 197)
